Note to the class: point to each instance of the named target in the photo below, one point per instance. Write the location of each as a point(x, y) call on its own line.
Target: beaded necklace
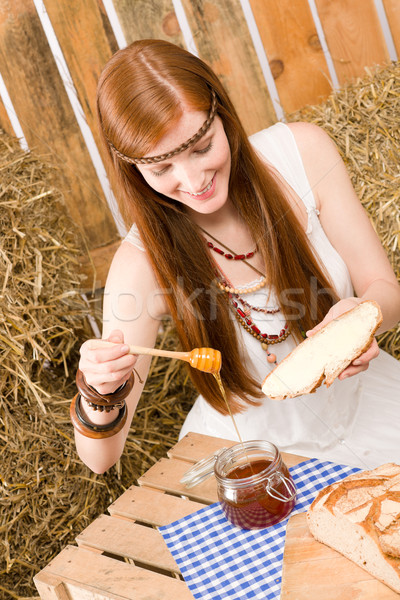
point(266, 339)
point(231, 252)
point(247, 308)
point(225, 286)
point(243, 316)
point(231, 256)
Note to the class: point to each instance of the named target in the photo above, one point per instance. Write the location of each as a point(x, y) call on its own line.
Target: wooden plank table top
point(122, 554)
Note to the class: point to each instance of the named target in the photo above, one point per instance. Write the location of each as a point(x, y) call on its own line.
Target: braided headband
point(156, 159)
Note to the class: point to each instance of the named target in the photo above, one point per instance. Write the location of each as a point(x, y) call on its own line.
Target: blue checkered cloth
point(219, 560)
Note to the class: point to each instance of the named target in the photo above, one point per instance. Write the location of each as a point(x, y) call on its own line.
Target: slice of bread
point(360, 518)
point(325, 354)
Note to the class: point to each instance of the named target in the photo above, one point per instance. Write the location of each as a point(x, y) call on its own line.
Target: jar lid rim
point(202, 470)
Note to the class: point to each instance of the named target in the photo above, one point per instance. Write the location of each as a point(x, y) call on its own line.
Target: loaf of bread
point(360, 518)
point(323, 356)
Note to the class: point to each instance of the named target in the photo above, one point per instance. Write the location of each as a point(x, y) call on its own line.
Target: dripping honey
point(222, 390)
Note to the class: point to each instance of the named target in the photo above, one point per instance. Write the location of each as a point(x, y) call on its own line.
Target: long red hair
point(141, 93)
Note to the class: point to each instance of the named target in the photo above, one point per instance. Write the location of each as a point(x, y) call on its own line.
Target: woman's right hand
point(106, 369)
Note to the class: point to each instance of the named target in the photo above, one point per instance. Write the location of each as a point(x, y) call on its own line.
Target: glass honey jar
point(254, 485)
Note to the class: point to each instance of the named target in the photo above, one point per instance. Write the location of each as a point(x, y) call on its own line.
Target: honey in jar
point(254, 485)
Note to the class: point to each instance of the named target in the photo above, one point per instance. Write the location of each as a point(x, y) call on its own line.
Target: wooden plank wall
point(274, 57)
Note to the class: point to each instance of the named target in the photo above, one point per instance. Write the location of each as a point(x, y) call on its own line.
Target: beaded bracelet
point(90, 430)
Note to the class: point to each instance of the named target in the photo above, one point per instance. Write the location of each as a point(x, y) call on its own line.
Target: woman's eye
point(204, 150)
point(160, 172)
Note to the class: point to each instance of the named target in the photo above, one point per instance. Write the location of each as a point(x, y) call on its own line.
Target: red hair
point(141, 94)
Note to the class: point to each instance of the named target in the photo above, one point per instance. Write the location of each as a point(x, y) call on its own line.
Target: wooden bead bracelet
point(100, 402)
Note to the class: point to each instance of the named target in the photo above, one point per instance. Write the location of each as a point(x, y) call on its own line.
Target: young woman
point(249, 244)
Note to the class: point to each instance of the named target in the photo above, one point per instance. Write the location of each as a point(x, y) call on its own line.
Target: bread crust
point(322, 376)
point(360, 518)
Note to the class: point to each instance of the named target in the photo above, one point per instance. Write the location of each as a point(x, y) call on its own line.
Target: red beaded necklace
point(231, 256)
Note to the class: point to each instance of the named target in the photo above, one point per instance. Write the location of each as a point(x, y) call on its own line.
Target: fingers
point(328, 317)
point(114, 380)
point(107, 368)
point(314, 330)
point(116, 336)
point(352, 370)
point(99, 355)
point(361, 363)
point(371, 353)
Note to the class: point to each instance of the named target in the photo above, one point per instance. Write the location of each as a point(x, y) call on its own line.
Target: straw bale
point(41, 313)
point(363, 120)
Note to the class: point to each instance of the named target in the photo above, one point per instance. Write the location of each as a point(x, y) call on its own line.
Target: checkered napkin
point(219, 560)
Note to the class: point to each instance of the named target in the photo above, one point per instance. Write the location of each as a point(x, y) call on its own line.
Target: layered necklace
point(242, 308)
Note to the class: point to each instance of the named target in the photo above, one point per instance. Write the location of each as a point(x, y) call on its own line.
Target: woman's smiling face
point(198, 177)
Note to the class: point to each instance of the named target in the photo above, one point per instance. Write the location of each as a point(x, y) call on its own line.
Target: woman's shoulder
point(309, 135)
point(317, 149)
point(302, 152)
point(302, 131)
point(130, 268)
point(287, 140)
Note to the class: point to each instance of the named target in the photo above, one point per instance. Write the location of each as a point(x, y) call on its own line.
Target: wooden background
point(274, 56)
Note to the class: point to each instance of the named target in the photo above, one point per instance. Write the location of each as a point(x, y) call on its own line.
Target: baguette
point(324, 355)
point(360, 518)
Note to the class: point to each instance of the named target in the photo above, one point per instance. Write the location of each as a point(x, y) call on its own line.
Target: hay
point(41, 308)
point(362, 119)
point(48, 495)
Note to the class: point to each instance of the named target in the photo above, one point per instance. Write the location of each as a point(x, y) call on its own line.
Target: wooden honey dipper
point(203, 359)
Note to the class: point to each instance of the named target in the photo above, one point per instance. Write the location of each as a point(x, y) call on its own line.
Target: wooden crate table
point(122, 555)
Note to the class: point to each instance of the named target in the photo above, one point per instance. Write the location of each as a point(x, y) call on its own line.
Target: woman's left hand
point(362, 362)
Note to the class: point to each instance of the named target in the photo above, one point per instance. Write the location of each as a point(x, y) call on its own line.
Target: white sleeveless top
point(321, 424)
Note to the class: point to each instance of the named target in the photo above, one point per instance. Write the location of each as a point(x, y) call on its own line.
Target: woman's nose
point(190, 178)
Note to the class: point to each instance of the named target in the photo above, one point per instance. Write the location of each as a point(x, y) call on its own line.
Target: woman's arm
point(132, 309)
point(349, 230)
